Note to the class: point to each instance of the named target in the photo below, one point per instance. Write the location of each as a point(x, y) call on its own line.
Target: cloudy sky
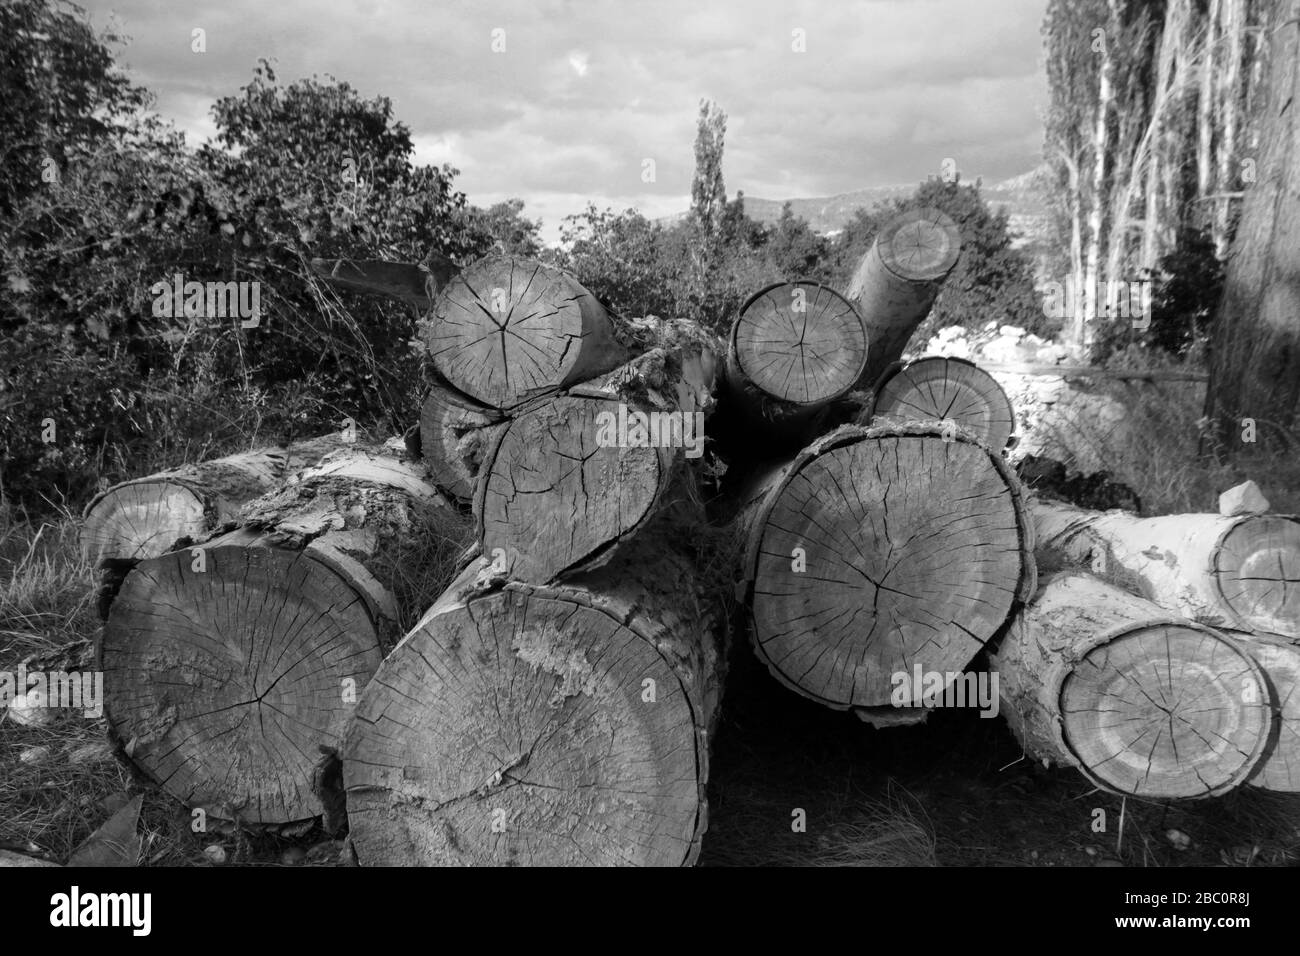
point(583, 93)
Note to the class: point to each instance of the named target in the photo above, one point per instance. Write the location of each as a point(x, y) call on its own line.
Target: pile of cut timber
point(293, 629)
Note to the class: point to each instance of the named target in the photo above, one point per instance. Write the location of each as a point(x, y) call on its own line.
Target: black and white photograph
point(751, 435)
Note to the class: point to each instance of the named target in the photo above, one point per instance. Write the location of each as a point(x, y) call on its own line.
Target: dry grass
point(1157, 451)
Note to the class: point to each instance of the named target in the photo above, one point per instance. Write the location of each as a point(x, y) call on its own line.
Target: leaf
point(116, 843)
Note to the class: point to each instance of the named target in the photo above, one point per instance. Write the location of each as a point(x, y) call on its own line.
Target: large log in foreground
point(145, 517)
point(1241, 573)
point(231, 668)
point(949, 390)
point(794, 347)
point(879, 550)
point(572, 477)
point(528, 725)
point(1142, 703)
point(898, 279)
point(507, 330)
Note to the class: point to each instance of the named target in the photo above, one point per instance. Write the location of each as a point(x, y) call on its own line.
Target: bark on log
point(877, 550)
point(795, 347)
point(232, 667)
point(572, 477)
point(897, 281)
point(1240, 573)
point(507, 330)
point(416, 283)
point(543, 725)
point(1280, 661)
point(455, 433)
point(1141, 702)
point(947, 389)
point(145, 517)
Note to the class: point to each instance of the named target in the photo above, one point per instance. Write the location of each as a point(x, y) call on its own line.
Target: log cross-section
point(507, 330)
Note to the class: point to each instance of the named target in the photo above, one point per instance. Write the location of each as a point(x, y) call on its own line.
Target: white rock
point(215, 853)
point(1012, 331)
point(1244, 499)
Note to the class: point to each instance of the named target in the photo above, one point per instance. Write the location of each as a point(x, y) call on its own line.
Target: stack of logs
point(316, 629)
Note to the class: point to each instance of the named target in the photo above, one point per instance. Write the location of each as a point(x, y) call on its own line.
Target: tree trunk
point(1142, 703)
point(145, 517)
point(571, 477)
point(878, 550)
point(1255, 347)
point(1280, 661)
point(897, 281)
point(507, 330)
point(455, 433)
point(1240, 573)
point(530, 725)
point(949, 390)
point(794, 347)
point(232, 667)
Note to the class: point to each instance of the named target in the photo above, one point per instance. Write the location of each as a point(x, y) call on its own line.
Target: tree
point(1255, 341)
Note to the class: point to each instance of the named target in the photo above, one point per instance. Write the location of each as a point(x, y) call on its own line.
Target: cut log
point(1240, 573)
point(573, 476)
point(232, 667)
point(949, 390)
point(1280, 661)
point(416, 283)
point(529, 725)
point(145, 517)
point(897, 281)
point(1142, 703)
point(795, 347)
point(507, 330)
point(878, 550)
point(455, 433)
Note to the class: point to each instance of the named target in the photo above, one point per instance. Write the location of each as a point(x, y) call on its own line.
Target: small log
point(1142, 703)
point(507, 330)
point(1280, 660)
point(145, 517)
point(231, 668)
point(794, 347)
point(415, 283)
point(897, 281)
point(524, 725)
point(1241, 573)
point(572, 477)
point(877, 550)
point(455, 433)
point(949, 390)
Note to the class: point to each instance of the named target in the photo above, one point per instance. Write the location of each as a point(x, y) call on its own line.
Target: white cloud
point(584, 92)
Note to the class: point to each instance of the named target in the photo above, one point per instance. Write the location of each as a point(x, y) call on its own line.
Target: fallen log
point(878, 550)
point(455, 433)
point(949, 390)
point(794, 347)
point(897, 281)
point(507, 330)
point(415, 283)
point(1280, 660)
point(145, 517)
point(571, 477)
point(1143, 703)
point(231, 667)
point(1240, 572)
point(522, 725)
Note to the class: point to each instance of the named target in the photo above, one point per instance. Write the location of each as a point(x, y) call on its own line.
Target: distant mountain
point(1021, 195)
